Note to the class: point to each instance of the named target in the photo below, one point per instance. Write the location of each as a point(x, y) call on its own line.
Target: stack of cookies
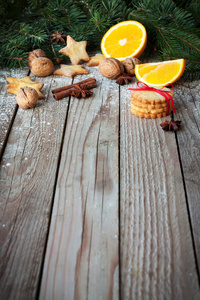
point(150, 104)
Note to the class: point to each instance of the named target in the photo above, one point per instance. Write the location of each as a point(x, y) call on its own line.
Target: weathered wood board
point(82, 251)
point(156, 251)
point(188, 110)
point(95, 202)
point(28, 175)
point(8, 105)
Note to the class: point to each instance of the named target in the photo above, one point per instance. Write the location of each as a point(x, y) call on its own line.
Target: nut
point(111, 68)
point(35, 54)
point(26, 97)
point(42, 66)
point(129, 64)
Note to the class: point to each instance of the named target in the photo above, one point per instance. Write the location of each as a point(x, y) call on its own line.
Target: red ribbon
point(165, 94)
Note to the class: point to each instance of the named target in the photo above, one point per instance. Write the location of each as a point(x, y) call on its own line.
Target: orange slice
point(161, 73)
point(125, 39)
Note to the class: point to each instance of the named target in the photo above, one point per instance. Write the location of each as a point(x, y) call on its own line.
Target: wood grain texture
point(8, 105)
point(156, 253)
point(82, 251)
point(83, 259)
point(28, 173)
point(187, 102)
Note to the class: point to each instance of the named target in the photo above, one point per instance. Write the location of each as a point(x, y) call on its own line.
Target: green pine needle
point(173, 27)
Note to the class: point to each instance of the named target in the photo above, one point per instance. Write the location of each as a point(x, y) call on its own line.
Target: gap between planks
point(59, 164)
point(52, 202)
point(188, 210)
point(188, 145)
point(136, 134)
point(87, 138)
point(119, 203)
point(9, 126)
point(35, 147)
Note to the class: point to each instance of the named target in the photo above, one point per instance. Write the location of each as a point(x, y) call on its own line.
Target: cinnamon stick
point(64, 88)
point(67, 90)
point(62, 94)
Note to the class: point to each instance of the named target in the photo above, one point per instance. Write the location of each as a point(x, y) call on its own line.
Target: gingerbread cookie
point(150, 97)
point(95, 60)
point(150, 104)
point(71, 71)
point(75, 50)
point(16, 83)
point(149, 109)
point(148, 115)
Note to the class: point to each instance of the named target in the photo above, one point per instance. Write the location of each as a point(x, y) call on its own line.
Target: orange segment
point(160, 74)
point(125, 39)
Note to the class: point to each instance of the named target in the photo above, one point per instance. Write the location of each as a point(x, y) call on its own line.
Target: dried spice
point(81, 92)
point(79, 89)
point(170, 125)
point(124, 79)
point(59, 37)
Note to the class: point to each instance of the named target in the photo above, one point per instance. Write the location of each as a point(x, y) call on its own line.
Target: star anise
point(170, 125)
point(79, 92)
point(124, 79)
point(59, 37)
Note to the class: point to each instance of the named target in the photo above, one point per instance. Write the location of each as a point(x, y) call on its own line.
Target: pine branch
point(171, 30)
point(173, 27)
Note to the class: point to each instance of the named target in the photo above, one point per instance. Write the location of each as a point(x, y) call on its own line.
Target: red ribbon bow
point(165, 94)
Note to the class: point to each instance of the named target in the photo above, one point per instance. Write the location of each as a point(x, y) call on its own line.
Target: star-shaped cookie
point(95, 60)
point(75, 50)
point(16, 83)
point(71, 71)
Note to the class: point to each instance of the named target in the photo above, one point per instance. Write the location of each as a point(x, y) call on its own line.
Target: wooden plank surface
point(82, 250)
point(122, 227)
point(8, 105)
point(156, 253)
point(188, 110)
point(28, 173)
